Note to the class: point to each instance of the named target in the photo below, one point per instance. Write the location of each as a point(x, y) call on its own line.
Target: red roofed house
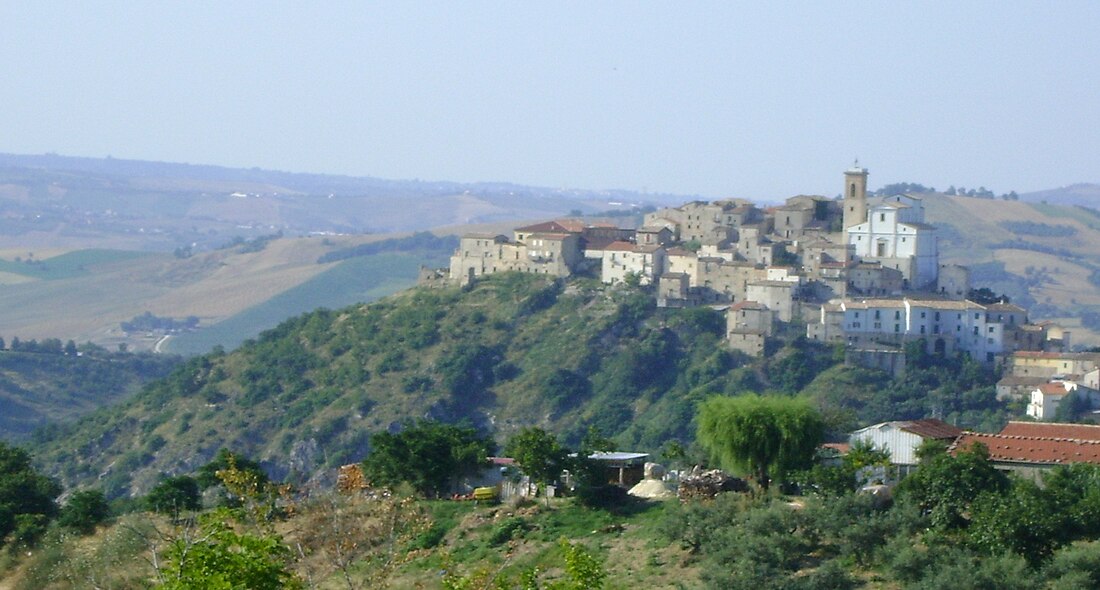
point(1046, 398)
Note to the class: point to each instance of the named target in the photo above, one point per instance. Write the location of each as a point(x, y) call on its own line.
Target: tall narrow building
point(855, 196)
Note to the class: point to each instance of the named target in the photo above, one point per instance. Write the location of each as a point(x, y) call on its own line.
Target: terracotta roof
point(652, 229)
point(930, 428)
point(677, 251)
point(1032, 449)
point(571, 225)
point(598, 243)
point(1056, 388)
point(748, 305)
point(841, 448)
point(620, 246)
point(547, 226)
point(1052, 430)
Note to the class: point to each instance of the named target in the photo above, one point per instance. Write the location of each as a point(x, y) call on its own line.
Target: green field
point(66, 266)
point(354, 280)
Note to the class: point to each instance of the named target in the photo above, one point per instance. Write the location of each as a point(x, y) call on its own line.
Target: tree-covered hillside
point(46, 383)
point(514, 351)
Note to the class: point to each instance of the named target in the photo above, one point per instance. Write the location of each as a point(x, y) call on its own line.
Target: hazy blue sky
point(719, 99)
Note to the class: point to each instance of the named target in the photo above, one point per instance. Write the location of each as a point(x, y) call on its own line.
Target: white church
point(890, 231)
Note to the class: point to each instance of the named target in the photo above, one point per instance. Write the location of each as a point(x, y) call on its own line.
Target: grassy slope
point(628, 545)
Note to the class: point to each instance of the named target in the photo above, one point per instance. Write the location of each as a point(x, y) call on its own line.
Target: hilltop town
point(859, 270)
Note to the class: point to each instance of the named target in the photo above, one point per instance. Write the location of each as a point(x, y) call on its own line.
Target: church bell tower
point(855, 196)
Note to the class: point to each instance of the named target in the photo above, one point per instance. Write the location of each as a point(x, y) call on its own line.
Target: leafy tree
point(84, 510)
point(1024, 521)
point(985, 296)
point(207, 475)
point(216, 557)
point(428, 455)
point(763, 435)
point(1075, 567)
point(946, 487)
point(26, 497)
point(538, 453)
point(175, 495)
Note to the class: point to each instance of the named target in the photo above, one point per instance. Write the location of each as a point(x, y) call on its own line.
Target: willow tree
point(762, 435)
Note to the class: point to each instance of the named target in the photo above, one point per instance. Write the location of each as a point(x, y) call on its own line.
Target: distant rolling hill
point(237, 292)
point(1044, 256)
point(66, 202)
point(1082, 194)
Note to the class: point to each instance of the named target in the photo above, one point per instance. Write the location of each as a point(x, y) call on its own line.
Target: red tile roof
point(841, 448)
point(547, 227)
point(930, 428)
point(1052, 430)
point(620, 246)
point(1031, 449)
point(1055, 388)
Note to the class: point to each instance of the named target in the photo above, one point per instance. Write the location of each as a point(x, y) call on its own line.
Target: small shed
point(623, 469)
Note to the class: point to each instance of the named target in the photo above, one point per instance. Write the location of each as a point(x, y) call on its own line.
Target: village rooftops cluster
point(859, 270)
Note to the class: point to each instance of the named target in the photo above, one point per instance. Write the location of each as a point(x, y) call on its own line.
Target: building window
point(991, 329)
point(897, 315)
point(975, 329)
point(882, 217)
point(878, 314)
point(922, 329)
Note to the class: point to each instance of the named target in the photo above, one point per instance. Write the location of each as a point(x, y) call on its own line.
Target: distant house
point(748, 326)
point(1046, 398)
point(902, 438)
point(1017, 386)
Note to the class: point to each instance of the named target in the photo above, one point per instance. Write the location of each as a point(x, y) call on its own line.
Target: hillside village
point(860, 271)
